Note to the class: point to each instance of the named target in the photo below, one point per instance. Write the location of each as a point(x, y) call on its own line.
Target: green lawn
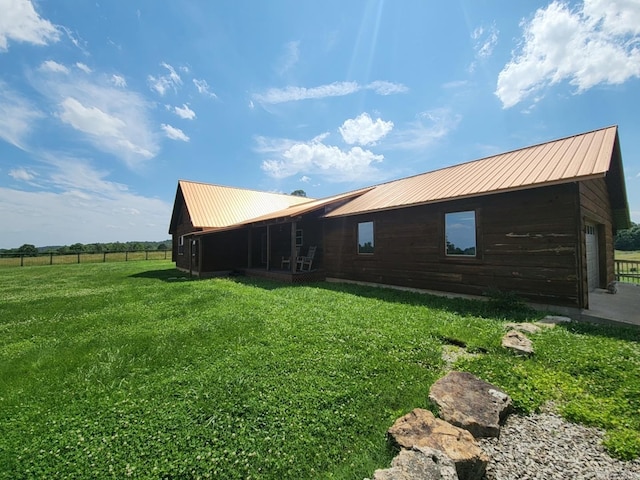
point(128, 369)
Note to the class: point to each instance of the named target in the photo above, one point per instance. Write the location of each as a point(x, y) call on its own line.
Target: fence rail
point(52, 258)
point(628, 271)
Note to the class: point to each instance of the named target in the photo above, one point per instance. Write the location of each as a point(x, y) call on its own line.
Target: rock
point(518, 342)
point(524, 327)
point(552, 320)
point(420, 428)
point(419, 463)
point(468, 402)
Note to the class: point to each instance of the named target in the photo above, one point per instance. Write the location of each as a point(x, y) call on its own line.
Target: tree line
point(32, 251)
point(628, 239)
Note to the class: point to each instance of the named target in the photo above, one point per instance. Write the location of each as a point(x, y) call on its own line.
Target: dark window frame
point(373, 239)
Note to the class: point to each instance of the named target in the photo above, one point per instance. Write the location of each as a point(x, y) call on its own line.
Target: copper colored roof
point(569, 159)
point(215, 206)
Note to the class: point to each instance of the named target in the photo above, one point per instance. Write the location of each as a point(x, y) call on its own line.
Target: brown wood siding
point(526, 243)
point(183, 227)
point(595, 207)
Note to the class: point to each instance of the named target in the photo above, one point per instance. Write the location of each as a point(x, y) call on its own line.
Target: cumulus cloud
point(485, 40)
point(83, 67)
point(118, 80)
point(20, 22)
point(185, 112)
point(596, 43)
point(174, 133)
point(21, 174)
point(335, 89)
point(363, 130)
point(17, 116)
point(203, 88)
point(161, 84)
point(288, 158)
point(55, 67)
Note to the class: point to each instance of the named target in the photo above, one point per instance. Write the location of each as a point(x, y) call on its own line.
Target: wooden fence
point(628, 271)
point(19, 260)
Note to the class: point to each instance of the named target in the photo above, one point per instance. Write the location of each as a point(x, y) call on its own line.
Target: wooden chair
point(306, 261)
point(287, 260)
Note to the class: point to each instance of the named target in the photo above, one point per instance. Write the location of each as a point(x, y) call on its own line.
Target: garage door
point(593, 264)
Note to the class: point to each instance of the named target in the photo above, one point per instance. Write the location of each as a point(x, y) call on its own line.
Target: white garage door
point(593, 264)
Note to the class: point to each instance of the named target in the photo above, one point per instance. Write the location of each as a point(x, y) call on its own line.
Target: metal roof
point(569, 159)
point(215, 206)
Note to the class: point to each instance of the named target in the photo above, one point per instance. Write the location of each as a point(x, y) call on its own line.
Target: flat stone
point(468, 402)
point(524, 327)
point(419, 463)
point(420, 428)
point(554, 320)
point(517, 342)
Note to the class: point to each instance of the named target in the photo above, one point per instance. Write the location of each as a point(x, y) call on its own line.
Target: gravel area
point(544, 446)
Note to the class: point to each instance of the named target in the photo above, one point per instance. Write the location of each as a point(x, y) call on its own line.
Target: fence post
point(50, 258)
point(146, 254)
point(78, 257)
point(21, 260)
point(126, 256)
point(104, 257)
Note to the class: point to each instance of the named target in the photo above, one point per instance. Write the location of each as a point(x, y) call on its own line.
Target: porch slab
point(621, 308)
point(285, 275)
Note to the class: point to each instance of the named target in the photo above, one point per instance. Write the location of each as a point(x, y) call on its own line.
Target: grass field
point(129, 369)
point(620, 255)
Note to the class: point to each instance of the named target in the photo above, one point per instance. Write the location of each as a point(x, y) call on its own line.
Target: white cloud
point(429, 127)
point(76, 203)
point(118, 80)
point(485, 40)
point(382, 87)
point(17, 116)
point(163, 83)
point(21, 174)
point(185, 112)
point(336, 89)
point(363, 130)
point(594, 44)
point(290, 57)
point(174, 133)
point(203, 88)
point(114, 120)
point(20, 22)
point(315, 157)
point(85, 68)
point(305, 179)
point(55, 67)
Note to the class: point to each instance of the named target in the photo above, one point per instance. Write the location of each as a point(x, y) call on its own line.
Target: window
point(299, 241)
point(365, 238)
point(181, 245)
point(460, 234)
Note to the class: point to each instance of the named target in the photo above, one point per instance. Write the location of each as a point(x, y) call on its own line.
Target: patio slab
point(622, 307)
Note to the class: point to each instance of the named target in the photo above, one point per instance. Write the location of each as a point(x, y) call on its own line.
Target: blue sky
point(104, 106)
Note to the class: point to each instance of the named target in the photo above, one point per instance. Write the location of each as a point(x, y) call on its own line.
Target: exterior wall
point(183, 227)
point(527, 243)
point(224, 251)
point(595, 207)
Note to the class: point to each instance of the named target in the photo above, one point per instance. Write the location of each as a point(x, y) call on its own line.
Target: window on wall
point(365, 238)
point(460, 234)
point(181, 245)
point(299, 238)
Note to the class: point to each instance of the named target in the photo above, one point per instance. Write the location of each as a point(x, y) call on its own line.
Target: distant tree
point(28, 250)
point(162, 246)
point(76, 248)
point(299, 193)
point(628, 239)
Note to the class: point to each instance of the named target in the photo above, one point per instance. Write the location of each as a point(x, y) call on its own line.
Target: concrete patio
point(621, 308)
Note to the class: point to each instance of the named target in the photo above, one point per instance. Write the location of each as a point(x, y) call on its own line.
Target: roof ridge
point(246, 189)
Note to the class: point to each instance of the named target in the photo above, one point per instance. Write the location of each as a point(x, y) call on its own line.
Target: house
point(539, 222)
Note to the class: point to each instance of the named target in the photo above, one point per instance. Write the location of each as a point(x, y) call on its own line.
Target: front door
point(593, 259)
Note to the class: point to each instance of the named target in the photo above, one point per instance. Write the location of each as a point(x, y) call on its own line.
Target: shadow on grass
point(166, 275)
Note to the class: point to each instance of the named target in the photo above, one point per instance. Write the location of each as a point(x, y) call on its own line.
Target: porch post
point(293, 247)
point(268, 247)
point(249, 248)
